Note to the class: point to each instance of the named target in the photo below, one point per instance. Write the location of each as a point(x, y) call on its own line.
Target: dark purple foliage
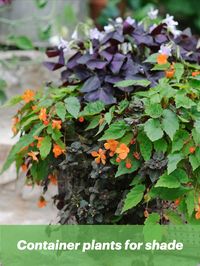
point(118, 56)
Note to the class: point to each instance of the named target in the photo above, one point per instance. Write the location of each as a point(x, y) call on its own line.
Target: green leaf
point(160, 145)
point(73, 106)
point(94, 122)
point(109, 115)
point(153, 129)
point(179, 70)
point(13, 101)
point(168, 193)
point(152, 219)
point(93, 108)
point(173, 160)
point(126, 139)
point(196, 136)
point(61, 110)
point(41, 3)
point(122, 170)
point(194, 159)
point(131, 82)
point(190, 202)
point(170, 123)
point(22, 42)
point(152, 58)
point(133, 197)
point(182, 100)
point(56, 134)
point(173, 180)
point(180, 137)
point(23, 142)
point(122, 106)
point(154, 110)
point(161, 67)
point(115, 131)
point(173, 217)
point(45, 147)
point(145, 145)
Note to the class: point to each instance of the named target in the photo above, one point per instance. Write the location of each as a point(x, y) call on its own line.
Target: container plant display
point(120, 135)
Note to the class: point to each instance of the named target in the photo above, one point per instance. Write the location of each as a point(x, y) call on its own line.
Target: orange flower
point(15, 120)
point(195, 73)
point(81, 119)
point(133, 141)
point(57, 124)
point(177, 202)
point(57, 150)
point(28, 96)
point(118, 160)
point(100, 156)
point(197, 215)
point(42, 202)
point(33, 155)
point(123, 151)
point(46, 122)
point(162, 59)
point(43, 114)
point(34, 107)
point(146, 214)
point(128, 164)
point(24, 167)
point(111, 145)
point(192, 149)
point(53, 179)
point(136, 155)
point(39, 139)
point(169, 73)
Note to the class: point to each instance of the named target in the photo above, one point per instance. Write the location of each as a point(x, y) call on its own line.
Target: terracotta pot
point(96, 7)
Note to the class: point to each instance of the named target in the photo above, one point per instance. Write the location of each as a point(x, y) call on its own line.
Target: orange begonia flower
point(24, 167)
point(195, 73)
point(57, 124)
point(100, 156)
point(111, 145)
point(197, 215)
point(34, 107)
point(162, 59)
point(39, 139)
point(122, 151)
point(53, 179)
point(177, 202)
point(15, 120)
point(43, 114)
point(33, 155)
point(57, 150)
point(192, 149)
point(28, 96)
point(81, 119)
point(42, 202)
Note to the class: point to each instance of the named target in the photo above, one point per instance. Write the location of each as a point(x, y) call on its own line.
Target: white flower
point(75, 35)
point(153, 13)
point(165, 49)
point(130, 20)
point(169, 20)
point(119, 20)
point(109, 28)
point(174, 31)
point(54, 40)
point(91, 51)
point(95, 34)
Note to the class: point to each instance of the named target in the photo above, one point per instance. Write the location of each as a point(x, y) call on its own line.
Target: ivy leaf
point(73, 106)
point(133, 197)
point(190, 202)
point(173, 160)
point(93, 108)
point(115, 131)
point(179, 70)
point(145, 145)
point(160, 145)
point(61, 110)
point(170, 123)
point(179, 139)
point(131, 82)
point(153, 129)
point(154, 110)
point(45, 147)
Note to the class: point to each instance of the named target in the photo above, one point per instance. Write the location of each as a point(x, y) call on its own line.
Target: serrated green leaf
point(145, 145)
point(168, 193)
point(196, 136)
point(115, 131)
point(170, 123)
point(154, 110)
point(182, 100)
point(194, 160)
point(153, 129)
point(45, 147)
point(161, 67)
point(133, 197)
point(93, 108)
point(152, 58)
point(160, 145)
point(180, 137)
point(109, 115)
point(179, 70)
point(173, 160)
point(94, 122)
point(173, 217)
point(61, 110)
point(130, 82)
point(73, 106)
point(172, 180)
point(190, 202)
point(122, 106)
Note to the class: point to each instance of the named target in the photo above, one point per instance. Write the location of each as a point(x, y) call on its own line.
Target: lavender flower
point(169, 20)
point(95, 34)
point(153, 13)
point(109, 28)
point(165, 49)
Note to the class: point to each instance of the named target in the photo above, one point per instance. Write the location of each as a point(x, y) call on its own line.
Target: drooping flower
point(53, 179)
point(56, 124)
point(153, 13)
point(111, 145)
point(33, 155)
point(28, 96)
point(43, 114)
point(165, 49)
point(100, 156)
point(39, 139)
point(162, 59)
point(57, 150)
point(42, 202)
point(122, 151)
point(128, 164)
point(130, 21)
point(81, 119)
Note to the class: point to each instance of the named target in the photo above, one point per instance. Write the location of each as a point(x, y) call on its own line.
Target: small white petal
point(109, 28)
point(119, 20)
point(130, 20)
point(153, 13)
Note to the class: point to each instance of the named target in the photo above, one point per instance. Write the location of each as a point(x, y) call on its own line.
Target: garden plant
point(120, 134)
